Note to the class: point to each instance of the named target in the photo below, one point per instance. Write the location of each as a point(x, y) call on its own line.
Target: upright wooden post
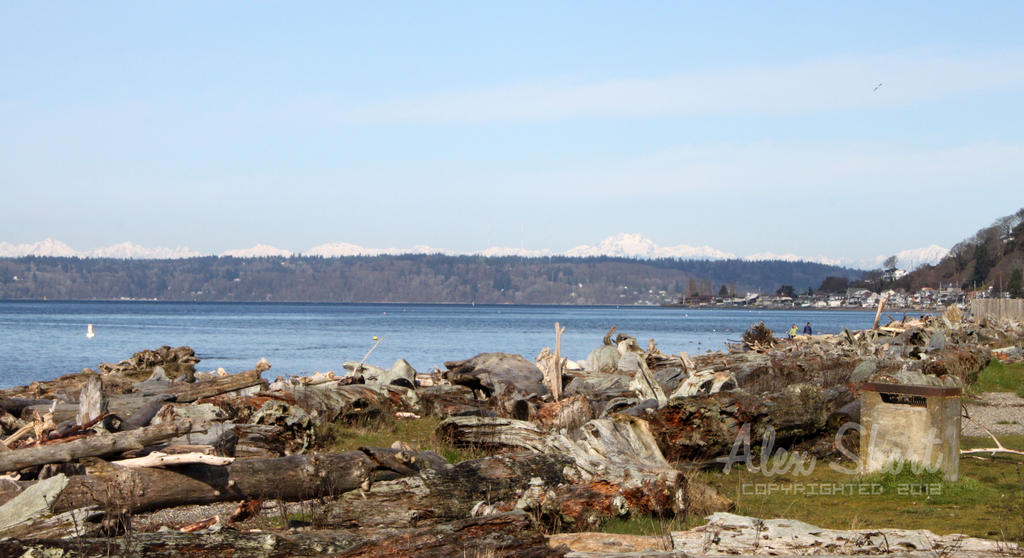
point(554, 380)
point(881, 306)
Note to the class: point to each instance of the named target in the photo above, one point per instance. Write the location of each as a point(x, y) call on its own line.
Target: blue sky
point(747, 127)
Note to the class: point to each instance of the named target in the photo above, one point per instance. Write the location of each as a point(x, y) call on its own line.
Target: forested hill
point(992, 259)
point(407, 278)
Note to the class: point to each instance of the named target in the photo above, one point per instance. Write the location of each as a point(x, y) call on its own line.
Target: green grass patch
point(999, 376)
point(381, 431)
point(987, 501)
point(648, 526)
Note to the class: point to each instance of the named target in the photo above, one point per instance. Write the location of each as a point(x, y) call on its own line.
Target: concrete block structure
point(913, 424)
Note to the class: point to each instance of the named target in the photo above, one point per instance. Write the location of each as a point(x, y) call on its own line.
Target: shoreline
point(455, 305)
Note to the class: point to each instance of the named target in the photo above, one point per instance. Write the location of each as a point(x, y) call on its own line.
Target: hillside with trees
point(407, 278)
point(991, 260)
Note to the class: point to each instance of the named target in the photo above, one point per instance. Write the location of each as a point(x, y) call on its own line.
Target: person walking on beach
point(792, 332)
point(807, 329)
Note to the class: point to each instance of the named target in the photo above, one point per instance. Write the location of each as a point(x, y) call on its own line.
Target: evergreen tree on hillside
point(1013, 286)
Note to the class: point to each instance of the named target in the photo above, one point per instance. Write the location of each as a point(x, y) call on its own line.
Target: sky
point(815, 128)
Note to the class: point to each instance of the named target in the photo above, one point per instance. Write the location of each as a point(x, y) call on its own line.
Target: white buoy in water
point(89, 332)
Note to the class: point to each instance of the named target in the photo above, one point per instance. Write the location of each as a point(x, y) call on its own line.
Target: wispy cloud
point(823, 84)
point(842, 169)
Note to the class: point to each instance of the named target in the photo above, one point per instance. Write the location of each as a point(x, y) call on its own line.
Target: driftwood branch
point(992, 451)
point(187, 393)
point(160, 459)
point(92, 446)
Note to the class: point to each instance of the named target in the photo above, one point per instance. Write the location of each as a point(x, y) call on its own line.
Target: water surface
point(42, 340)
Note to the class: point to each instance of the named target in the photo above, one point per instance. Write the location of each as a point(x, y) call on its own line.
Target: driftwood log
point(92, 446)
point(704, 427)
point(501, 535)
point(291, 478)
point(129, 404)
point(333, 401)
point(613, 468)
point(447, 493)
point(187, 393)
point(494, 373)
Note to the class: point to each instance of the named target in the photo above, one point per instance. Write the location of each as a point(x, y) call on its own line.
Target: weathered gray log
point(401, 373)
point(187, 393)
point(493, 433)
point(598, 383)
point(332, 402)
point(728, 534)
point(15, 405)
point(501, 535)
point(28, 513)
point(75, 523)
point(92, 402)
point(448, 400)
point(492, 373)
point(249, 440)
point(92, 446)
point(604, 359)
point(645, 385)
point(31, 503)
point(148, 409)
point(128, 404)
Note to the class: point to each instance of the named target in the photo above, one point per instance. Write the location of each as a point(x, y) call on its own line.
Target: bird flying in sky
point(877, 86)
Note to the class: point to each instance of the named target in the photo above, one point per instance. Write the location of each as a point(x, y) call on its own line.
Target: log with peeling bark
point(569, 413)
point(447, 493)
point(499, 536)
point(92, 446)
point(705, 427)
point(291, 478)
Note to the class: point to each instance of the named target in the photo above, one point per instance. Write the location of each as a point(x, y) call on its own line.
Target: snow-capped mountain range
point(623, 245)
point(123, 251)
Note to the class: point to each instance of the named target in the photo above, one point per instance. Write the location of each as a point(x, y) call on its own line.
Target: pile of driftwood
point(572, 444)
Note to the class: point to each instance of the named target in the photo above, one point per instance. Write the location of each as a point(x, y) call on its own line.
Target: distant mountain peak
point(910, 259)
point(257, 251)
point(46, 247)
point(634, 245)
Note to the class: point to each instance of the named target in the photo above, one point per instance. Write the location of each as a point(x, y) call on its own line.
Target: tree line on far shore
point(414, 278)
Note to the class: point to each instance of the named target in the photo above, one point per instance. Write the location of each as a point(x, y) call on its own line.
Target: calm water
point(42, 340)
